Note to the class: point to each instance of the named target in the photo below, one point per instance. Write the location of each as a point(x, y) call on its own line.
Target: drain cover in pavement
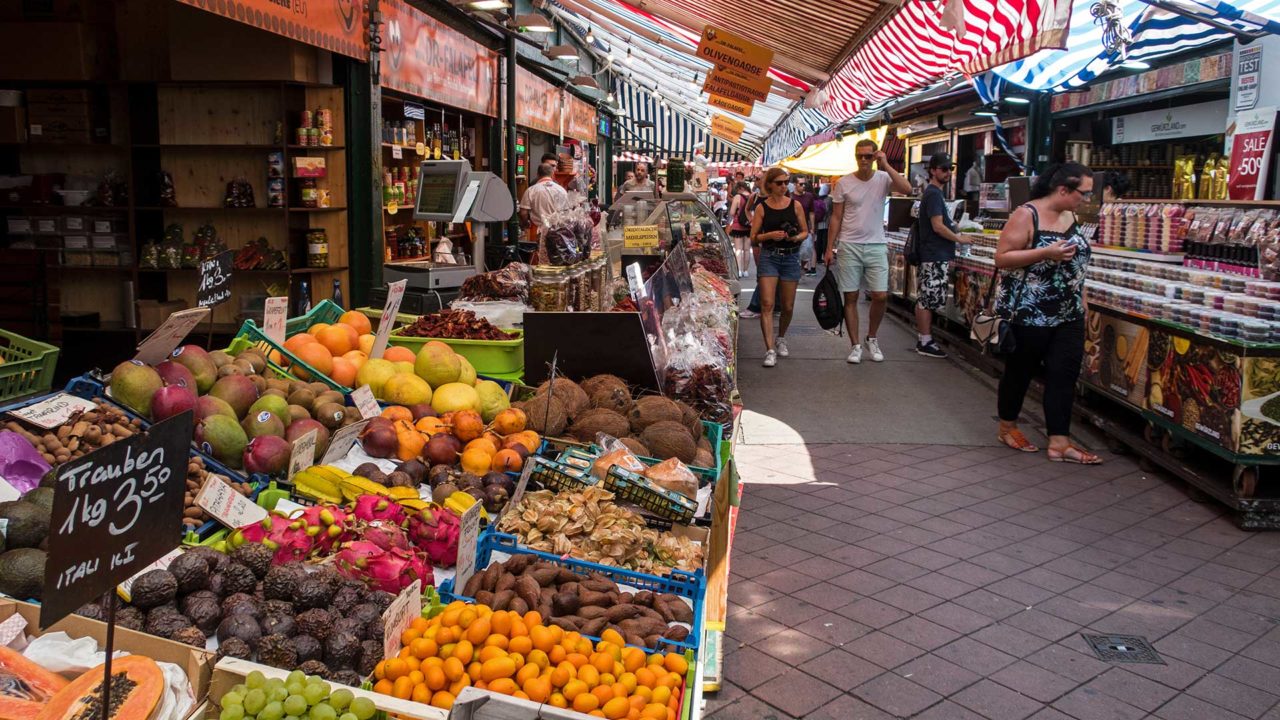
point(1123, 649)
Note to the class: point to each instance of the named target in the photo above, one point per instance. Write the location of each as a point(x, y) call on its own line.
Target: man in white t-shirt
point(543, 199)
point(857, 225)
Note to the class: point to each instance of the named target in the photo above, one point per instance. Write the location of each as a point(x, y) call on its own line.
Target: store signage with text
point(640, 236)
point(738, 108)
point(580, 119)
point(724, 48)
point(1248, 78)
point(727, 128)
point(732, 84)
point(1251, 154)
point(426, 58)
point(335, 25)
point(1180, 122)
point(537, 103)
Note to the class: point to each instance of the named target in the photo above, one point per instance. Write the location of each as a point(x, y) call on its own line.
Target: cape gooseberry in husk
point(668, 439)
point(241, 627)
point(308, 648)
point(547, 415)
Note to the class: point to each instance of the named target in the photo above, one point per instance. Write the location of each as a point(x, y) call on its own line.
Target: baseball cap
point(941, 160)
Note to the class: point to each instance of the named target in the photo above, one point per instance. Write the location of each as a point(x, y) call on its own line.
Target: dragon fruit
point(386, 536)
point(388, 570)
point(375, 507)
point(435, 531)
point(288, 538)
point(327, 524)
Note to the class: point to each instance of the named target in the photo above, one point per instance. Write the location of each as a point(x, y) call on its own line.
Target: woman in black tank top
point(778, 226)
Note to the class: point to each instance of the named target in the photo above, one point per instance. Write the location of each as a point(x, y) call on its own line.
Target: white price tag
point(397, 152)
point(366, 405)
point(156, 348)
point(341, 442)
point(401, 612)
point(303, 455)
point(12, 633)
point(7, 493)
point(226, 505)
point(395, 294)
point(53, 412)
point(276, 311)
point(467, 547)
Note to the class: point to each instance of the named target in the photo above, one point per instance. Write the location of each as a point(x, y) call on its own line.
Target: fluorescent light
point(985, 112)
point(488, 4)
point(1018, 100)
point(533, 22)
point(1135, 65)
point(562, 52)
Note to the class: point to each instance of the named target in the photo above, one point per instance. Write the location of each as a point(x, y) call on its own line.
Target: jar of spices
point(317, 249)
point(308, 194)
point(549, 289)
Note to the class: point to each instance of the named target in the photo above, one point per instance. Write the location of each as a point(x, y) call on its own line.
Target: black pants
point(820, 242)
point(1057, 351)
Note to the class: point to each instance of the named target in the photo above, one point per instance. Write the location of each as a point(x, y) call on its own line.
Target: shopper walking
point(757, 193)
point(857, 224)
point(740, 227)
point(806, 197)
point(937, 243)
point(1044, 259)
point(821, 218)
point(778, 226)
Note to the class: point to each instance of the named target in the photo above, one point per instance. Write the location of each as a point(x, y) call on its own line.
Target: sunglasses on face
point(865, 156)
point(778, 182)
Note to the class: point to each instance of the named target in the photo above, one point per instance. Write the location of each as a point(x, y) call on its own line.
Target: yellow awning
point(833, 158)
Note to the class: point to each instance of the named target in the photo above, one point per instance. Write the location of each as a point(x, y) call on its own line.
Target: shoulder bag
point(990, 329)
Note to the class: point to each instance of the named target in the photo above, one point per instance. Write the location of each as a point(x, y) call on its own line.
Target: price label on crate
point(401, 612)
point(365, 402)
point(215, 280)
point(169, 335)
point(342, 441)
point(467, 536)
point(276, 310)
point(395, 295)
point(227, 506)
point(303, 455)
point(114, 513)
point(55, 411)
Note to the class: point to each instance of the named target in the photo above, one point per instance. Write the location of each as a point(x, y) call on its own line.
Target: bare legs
point(768, 286)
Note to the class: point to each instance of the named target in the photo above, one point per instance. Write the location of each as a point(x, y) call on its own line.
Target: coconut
point(668, 439)
point(547, 415)
point(653, 409)
point(635, 446)
point(617, 399)
point(566, 391)
point(590, 422)
point(594, 384)
point(691, 420)
point(704, 459)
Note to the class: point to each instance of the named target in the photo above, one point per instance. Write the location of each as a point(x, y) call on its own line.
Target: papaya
point(25, 687)
point(137, 685)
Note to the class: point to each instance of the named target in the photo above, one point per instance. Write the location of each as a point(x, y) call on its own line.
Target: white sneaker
point(748, 315)
point(873, 345)
point(855, 355)
point(770, 359)
point(783, 350)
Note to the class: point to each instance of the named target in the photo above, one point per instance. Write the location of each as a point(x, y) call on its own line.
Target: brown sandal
point(1074, 454)
point(1016, 440)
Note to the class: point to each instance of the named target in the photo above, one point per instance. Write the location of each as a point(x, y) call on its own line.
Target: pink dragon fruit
point(327, 524)
point(389, 570)
point(386, 536)
point(288, 538)
point(435, 531)
point(374, 507)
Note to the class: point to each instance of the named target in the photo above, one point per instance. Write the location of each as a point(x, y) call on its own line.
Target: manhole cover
point(1123, 649)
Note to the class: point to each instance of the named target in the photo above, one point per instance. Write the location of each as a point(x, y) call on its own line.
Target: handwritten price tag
point(397, 152)
point(365, 402)
point(401, 612)
point(226, 505)
point(276, 310)
point(169, 335)
point(53, 412)
point(215, 280)
point(467, 546)
point(341, 442)
point(303, 455)
point(395, 294)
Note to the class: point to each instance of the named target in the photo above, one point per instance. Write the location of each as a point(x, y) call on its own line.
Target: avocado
point(28, 524)
point(22, 573)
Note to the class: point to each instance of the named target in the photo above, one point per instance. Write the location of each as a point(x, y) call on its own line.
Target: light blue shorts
point(862, 267)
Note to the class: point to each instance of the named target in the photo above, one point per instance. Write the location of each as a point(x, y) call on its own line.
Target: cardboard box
point(13, 125)
point(308, 167)
point(153, 312)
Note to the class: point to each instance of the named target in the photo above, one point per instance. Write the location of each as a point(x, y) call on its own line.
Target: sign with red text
point(1251, 153)
point(336, 25)
point(424, 57)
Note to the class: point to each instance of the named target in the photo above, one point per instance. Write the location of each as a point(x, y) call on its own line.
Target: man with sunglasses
point(937, 249)
point(857, 224)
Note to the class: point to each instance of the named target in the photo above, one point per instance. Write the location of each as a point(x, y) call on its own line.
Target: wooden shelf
point(317, 147)
point(66, 209)
point(207, 146)
point(335, 208)
point(317, 271)
point(209, 209)
point(66, 146)
point(95, 268)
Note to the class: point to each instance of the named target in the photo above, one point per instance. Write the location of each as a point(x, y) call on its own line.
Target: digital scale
point(450, 191)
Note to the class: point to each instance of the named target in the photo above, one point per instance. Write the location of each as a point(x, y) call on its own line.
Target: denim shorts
point(784, 265)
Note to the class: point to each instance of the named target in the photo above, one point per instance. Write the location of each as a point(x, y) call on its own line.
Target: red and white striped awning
point(916, 47)
point(628, 156)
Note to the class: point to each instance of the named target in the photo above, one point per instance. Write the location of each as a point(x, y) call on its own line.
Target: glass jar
point(549, 289)
point(317, 249)
point(308, 195)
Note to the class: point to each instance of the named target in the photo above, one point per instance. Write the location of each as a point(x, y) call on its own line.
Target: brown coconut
point(617, 399)
point(690, 418)
point(704, 444)
point(547, 415)
point(635, 446)
point(668, 439)
point(567, 391)
point(652, 409)
point(596, 420)
point(596, 383)
point(704, 459)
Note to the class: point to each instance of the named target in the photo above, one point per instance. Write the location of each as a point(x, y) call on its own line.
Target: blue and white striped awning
point(1156, 33)
point(658, 129)
point(791, 133)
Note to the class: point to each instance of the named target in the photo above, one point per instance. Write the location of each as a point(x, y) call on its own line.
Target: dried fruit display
point(509, 283)
point(80, 435)
point(455, 325)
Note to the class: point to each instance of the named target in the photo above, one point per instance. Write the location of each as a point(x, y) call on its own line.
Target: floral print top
point(1048, 293)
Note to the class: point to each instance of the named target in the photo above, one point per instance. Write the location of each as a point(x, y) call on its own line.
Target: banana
point(334, 474)
point(314, 485)
point(353, 487)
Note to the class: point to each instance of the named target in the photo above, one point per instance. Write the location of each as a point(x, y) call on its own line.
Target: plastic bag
point(503, 313)
point(673, 475)
point(509, 283)
point(567, 236)
point(21, 465)
point(615, 453)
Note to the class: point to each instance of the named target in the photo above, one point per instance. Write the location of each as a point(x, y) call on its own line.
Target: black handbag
point(992, 330)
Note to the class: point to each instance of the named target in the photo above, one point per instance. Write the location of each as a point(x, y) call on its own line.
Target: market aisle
point(891, 561)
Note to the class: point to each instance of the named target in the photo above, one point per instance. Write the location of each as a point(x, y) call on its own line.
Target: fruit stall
point(369, 519)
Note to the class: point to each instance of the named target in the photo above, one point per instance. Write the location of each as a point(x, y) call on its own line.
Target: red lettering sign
point(1251, 154)
point(431, 60)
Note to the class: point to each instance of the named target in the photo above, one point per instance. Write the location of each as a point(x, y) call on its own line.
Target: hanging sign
point(537, 103)
point(580, 119)
point(424, 57)
point(108, 511)
point(337, 25)
point(736, 86)
point(724, 48)
point(1248, 77)
point(215, 280)
point(739, 108)
point(1181, 122)
point(1251, 154)
point(727, 128)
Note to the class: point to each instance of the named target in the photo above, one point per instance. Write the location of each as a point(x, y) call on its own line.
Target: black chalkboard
point(117, 510)
point(586, 344)
point(215, 280)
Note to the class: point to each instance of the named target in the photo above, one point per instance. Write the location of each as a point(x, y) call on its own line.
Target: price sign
point(116, 510)
point(365, 402)
point(226, 505)
point(640, 236)
point(401, 612)
point(341, 442)
point(169, 335)
point(395, 294)
point(397, 152)
point(303, 455)
point(275, 312)
point(215, 280)
point(470, 530)
point(53, 412)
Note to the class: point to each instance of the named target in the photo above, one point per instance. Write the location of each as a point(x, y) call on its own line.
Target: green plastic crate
point(488, 357)
point(325, 311)
point(253, 335)
point(28, 366)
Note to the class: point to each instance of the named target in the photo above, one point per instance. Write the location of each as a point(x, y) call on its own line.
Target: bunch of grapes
point(297, 697)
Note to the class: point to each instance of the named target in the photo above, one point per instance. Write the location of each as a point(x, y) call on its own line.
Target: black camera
point(790, 228)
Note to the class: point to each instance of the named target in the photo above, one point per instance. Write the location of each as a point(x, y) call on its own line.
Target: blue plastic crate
point(685, 584)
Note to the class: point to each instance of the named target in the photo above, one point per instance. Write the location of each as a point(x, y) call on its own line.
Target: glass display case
point(679, 218)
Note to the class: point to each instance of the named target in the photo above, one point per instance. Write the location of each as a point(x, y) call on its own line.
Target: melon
point(137, 685)
point(25, 687)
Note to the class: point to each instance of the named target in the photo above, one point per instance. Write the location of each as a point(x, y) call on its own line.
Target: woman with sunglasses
point(1044, 259)
point(778, 226)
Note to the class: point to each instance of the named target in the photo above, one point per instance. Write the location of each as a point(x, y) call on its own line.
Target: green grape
point(231, 712)
point(277, 693)
point(297, 676)
point(232, 698)
point(290, 717)
point(347, 716)
point(323, 685)
point(295, 688)
point(273, 711)
point(254, 701)
point(363, 708)
point(295, 705)
point(255, 679)
point(314, 693)
point(340, 699)
point(323, 711)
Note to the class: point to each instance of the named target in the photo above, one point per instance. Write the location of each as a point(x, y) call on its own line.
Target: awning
point(1156, 33)
point(659, 129)
point(834, 158)
point(791, 133)
point(628, 156)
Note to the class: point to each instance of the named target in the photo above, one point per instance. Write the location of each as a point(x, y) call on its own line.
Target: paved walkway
point(892, 562)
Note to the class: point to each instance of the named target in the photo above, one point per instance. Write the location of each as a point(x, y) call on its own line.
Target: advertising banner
point(580, 119)
point(1251, 142)
point(738, 108)
point(1181, 122)
point(732, 84)
point(1115, 357)
point(431, 60)
point(537, 103)
point(335, 25)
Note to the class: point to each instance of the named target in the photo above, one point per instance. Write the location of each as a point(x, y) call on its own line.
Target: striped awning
point(789, 135)
point(656, 128)
point(1156, 33)
point(628, 156)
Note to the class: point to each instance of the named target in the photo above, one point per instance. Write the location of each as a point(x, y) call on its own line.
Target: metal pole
point(111, 642)
point(513, 227)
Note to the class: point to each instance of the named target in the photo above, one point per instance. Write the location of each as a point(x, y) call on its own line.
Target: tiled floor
point(953, 582)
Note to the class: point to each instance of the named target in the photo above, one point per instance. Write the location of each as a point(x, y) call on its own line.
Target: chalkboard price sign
point(117, 510)
point(215, 280)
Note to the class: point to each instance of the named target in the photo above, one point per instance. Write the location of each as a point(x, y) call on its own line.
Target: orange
point(366, 343)
point(355, 357)
point(315, 329)
point(527, 673)
point(538, 689)
point(353, 337)
point(396, 669)
point(500, 667)
point(500, 622)
point(420, 694)
point(589, 675)
point(602, 661)
point(344, 372)
point(498, 641)
point(505, 685)
point(478, 630)
point(646, 677)
point(315, 355)
point(616, 708)
point(383, 687)
point(654, 711)
point(520, 644)
point(454, 669)
point(586, 702)
point(435, 679)
point(395, 353)
point(558, 700)
point(402, 688)
point(442, 700)
point(464, 651)
point(603, 693)
point(676, 664)
point(297, 341)
point(357, 320)
point(336, 339)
